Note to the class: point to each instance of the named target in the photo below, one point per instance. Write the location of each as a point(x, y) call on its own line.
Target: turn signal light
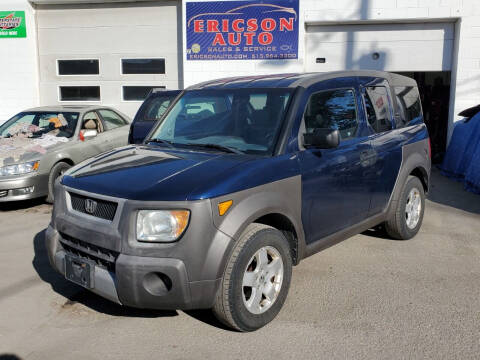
point(181, 217)
point(224, 206)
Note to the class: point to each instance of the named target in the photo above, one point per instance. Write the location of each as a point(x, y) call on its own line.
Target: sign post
point(242, 30)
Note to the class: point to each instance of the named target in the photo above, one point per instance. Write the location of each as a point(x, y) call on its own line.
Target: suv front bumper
point(143, 282)
point(181, 275)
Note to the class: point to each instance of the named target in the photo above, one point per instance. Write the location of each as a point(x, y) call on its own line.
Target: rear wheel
point(256, 280)
point(57, 171)
point(407, 219)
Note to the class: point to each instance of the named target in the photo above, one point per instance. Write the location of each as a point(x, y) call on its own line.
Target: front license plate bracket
point(79, 271)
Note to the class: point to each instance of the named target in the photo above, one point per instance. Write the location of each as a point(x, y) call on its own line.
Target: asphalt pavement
point(366, 298)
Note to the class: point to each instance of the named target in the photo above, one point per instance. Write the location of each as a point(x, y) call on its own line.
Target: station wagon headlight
point(19, 169)
point(161, 225)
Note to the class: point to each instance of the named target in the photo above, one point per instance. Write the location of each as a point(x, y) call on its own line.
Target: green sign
point(12, 24)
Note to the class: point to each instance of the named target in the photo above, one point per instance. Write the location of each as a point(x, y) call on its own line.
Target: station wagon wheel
point(57, 170)
point(256, 279)
point(406, 219)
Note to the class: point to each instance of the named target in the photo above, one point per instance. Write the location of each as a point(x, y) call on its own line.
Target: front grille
point(103, 209)
point(102, 257)
point(3, 193)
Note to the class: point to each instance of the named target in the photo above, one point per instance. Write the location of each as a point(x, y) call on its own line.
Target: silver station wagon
point(40, 144)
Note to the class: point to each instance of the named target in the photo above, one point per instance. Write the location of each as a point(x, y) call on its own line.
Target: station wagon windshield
point(38, 123)
point(239, 120)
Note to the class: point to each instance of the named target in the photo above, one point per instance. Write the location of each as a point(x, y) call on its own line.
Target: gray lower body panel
point(139, 281)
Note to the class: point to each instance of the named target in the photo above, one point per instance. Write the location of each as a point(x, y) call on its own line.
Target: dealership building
point(113, 52)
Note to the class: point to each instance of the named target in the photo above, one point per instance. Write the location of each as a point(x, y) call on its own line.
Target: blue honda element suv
point(240, 180)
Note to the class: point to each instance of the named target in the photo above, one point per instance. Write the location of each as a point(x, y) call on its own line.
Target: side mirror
point(322, 139)
point(88, 134)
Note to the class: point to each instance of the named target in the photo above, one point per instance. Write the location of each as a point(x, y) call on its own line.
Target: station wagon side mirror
point(322, 139)
point(87, 134)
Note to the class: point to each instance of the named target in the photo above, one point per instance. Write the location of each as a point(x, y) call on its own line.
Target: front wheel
point(256, 279)
point(407, 219)
point(55, 173)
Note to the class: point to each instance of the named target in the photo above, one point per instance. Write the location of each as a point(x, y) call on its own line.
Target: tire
point(57, 170)
point(231, 305)
point(403, 224)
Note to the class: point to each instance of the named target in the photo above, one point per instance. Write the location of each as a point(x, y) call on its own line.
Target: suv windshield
point(245, 120)
point(36, 124)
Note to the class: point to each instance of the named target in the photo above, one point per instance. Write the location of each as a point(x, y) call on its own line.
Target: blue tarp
point(462, 160)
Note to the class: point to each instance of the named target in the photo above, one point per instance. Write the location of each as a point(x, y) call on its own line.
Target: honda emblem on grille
point(90, 206)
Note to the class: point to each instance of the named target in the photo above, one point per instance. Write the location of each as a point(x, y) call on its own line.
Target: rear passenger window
point(332, 109)
point(409, 106)
point(111, 119)
point(378, 108)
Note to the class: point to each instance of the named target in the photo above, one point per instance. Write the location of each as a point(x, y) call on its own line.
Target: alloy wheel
point(262, 280)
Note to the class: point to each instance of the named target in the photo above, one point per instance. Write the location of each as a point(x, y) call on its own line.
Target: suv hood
point(150, 173)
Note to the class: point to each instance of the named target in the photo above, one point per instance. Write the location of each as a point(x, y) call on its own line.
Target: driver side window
point(332, 109)
point(92, 122)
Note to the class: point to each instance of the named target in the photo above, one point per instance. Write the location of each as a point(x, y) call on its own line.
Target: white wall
point(18, 65)
point(108, 32)
point(464, 13)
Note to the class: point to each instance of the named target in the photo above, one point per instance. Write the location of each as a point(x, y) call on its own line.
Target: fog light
point(23, 191)
point(157, 283)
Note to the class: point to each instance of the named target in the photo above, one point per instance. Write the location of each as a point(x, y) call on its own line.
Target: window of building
point(78, 67)
point(378, 108)
point(143, 66)
point(111, 119)
point(79, 93)
point(332, 109)
point(137, 93)
point(409, 106)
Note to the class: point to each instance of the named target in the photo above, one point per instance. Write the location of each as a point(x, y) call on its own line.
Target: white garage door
point(108, 34)
point(389, 47)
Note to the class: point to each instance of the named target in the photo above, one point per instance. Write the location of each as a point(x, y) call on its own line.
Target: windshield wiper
point(161, 141)
point(223, 148)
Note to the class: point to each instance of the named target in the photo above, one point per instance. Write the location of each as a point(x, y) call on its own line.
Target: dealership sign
point(12, 24)
point(242, 30)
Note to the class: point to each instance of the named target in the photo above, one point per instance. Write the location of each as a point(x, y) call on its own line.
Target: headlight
point(19, 169)
point(161, 225)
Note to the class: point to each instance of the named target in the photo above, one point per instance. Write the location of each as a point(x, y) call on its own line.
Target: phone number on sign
point(239, 56)
point(272, 56)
